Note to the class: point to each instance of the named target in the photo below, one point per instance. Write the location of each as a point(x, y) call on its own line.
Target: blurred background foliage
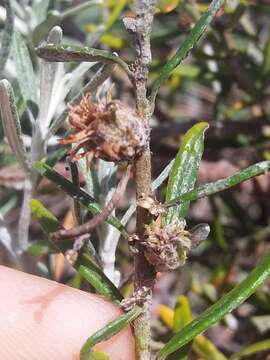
point(224, 81)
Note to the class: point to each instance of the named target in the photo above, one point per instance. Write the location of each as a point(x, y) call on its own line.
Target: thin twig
point(99, 218)
point(144, 273)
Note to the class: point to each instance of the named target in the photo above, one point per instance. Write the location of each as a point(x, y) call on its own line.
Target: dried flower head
point(166, 246)
point(112, 132)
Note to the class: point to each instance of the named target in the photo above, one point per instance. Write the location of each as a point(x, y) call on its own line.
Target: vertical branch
point(144, 273)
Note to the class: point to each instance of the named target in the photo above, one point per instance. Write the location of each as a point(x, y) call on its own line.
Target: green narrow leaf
point(100, 282)
point(11, 124)
point(24, 68)
point(81, 196)
point(41, 248)
point(187, 45)
point(46, 219)
point(222, 184)
point(185, 169)
point(225, 305)
point(252, 349)
point(75, 177)
point(205, 349)
point(182, 314)
point(265, 68)
point(6, 36)
point(66, 53)
point(90, 270)
point(118, 8)
point(108, 331)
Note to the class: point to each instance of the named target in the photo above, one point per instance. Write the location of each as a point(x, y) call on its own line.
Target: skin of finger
point(41, 320)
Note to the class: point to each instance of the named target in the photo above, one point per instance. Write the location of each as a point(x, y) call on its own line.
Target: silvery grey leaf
point(6, 240)
point(198, 234)
point(6, 36)
point(11, 124)
point(40, 9)
point(50, 75)
point(24, 68)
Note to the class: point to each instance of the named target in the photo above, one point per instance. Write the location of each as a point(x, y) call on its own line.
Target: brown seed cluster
point(111, 132)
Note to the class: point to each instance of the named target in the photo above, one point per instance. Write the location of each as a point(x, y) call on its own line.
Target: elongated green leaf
point(108, 331)
point(265, 68)
point(24, 68)
point(119, 6)
point(6, 36)
point(185, 168)
point(68, 53)
point(223, 184)
point(49, 224)
point(205, 349)
point(100, 282)
point(41, 248)
point(252, 349)
point(86, 264)
point(225, 305)
point(182, 314)
point(11, 124)
point(187, 45)
point(81, 196)
point(46, 219)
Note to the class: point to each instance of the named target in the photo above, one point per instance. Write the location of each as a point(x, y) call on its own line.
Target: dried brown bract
point(112, 132)
point(139, 297)
point(151, 204)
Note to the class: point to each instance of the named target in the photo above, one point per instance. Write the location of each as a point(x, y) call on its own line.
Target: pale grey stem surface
point(6, 241)
point(25, 218)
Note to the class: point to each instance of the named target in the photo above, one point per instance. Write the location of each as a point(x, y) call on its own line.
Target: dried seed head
point(166, 246)
point(112, 132)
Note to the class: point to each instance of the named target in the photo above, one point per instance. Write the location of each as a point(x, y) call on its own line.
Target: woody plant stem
point(144, 273)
